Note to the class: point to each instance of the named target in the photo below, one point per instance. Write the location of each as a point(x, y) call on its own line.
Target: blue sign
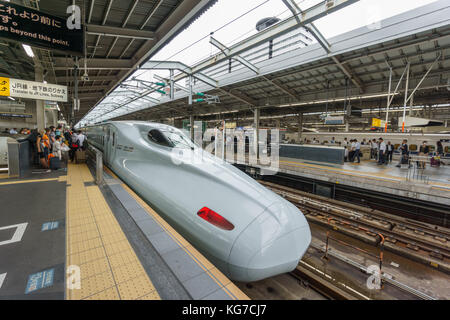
point(40, 280)
point(50, 226)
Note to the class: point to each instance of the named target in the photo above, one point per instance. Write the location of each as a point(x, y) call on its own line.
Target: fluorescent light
point(28, 50)
point(11, 98)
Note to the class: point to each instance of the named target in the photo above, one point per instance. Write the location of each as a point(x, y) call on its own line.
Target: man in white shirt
point(382, 152)
point(81, 138)
point(374, 149)
point(13, 131)
point(357, 148)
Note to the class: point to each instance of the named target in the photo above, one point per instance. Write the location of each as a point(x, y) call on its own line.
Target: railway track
point(419, 241)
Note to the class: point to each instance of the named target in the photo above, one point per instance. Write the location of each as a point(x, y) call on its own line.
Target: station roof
point(120, 36)
point(301, 75)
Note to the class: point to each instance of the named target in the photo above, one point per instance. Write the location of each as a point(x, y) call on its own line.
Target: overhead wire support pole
point(388, 97)
point(423, 78)
point(172, 87)
point(406, 96)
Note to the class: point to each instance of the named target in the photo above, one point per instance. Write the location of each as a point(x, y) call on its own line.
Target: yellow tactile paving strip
point(110, 269)
point(232, 290)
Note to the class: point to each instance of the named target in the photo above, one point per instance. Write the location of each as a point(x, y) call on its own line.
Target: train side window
point(113, 139)
point(158, 137)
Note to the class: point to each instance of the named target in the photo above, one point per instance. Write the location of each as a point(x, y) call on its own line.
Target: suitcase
point(435, 162)
point(80, 156)
point(55, 163)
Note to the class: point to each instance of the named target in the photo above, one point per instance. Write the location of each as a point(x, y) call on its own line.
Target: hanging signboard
point(39, 29)
point(378, 123)
point(32, 90)
point(335, 120)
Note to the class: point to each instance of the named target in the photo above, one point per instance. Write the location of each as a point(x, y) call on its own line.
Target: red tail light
point(215, 219)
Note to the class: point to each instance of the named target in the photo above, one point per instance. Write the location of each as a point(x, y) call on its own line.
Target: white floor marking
point(2, 278)
point(18, 234)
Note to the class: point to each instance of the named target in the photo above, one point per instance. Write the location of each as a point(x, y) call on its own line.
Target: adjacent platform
point(384, 178)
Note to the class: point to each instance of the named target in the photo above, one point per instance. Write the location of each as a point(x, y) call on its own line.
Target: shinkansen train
point(246, 230)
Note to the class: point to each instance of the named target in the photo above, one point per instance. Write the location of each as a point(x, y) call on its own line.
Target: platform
point(381, 178)
point(64, 237)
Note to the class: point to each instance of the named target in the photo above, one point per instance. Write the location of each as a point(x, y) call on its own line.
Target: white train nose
point(272, 244)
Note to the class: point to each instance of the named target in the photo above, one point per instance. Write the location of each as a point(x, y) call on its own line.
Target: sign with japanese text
point(39, 29)
point(4, 87)
point(32, 90)
point(378, 123)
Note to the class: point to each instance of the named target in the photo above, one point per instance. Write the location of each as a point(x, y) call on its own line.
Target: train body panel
point(269, 234)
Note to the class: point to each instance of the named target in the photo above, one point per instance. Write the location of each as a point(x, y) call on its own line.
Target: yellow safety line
point(28, 181)
point(233, 291)
point(109, 267)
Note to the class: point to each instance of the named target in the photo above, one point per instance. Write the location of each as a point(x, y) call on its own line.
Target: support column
point(300, 127)
point(40, 108)
point(256, 120)
point(191, 122)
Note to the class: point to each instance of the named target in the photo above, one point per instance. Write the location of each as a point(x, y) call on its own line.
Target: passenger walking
point(389, 152)
point(381, 152)
point(351, 153)
point(357, 151)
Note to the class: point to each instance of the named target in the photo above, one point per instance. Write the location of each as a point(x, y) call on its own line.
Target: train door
point(113, 144)
point(107, 146)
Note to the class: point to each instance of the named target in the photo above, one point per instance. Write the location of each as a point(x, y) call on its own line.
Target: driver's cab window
point(158, 137)
point(170, 139)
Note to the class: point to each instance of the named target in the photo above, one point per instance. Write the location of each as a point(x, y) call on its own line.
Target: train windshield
point(178, 140)
point(170, 139)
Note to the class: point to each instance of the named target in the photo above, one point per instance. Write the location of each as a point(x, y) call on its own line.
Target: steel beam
point(101, 30)
point(238, 58)
point(97, 63)
point(316, 12)
point(175, 65)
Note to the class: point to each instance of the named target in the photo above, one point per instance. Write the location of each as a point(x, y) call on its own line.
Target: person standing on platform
point(40, 146)
point(381, 152)
point(74, 145)
point(81, 139)
point(351, 153)
point(423, 152)
point(389, 152)
point(440, 151)
point(357, 151)
point(404, 158)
